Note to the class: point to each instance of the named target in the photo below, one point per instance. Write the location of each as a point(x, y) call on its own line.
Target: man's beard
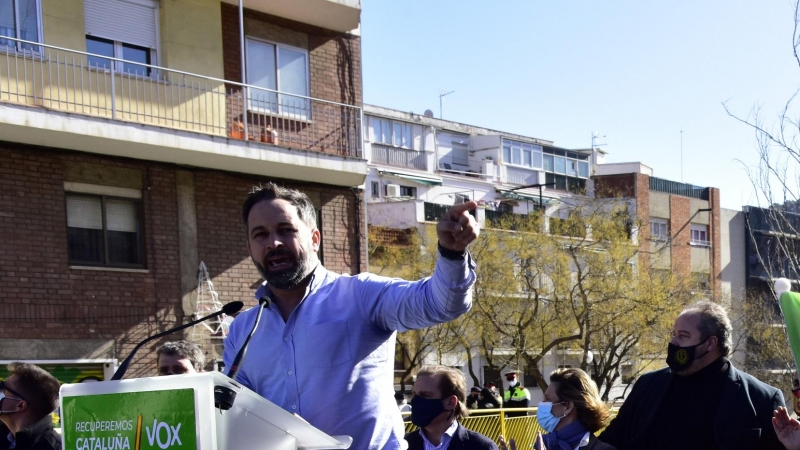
point(288, 278)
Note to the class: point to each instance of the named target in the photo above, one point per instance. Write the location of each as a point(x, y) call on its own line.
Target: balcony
point(676, 188)
point(337, 15)
point(522, 177)
point(187, 118)
point(465, 167)
point(399, 157)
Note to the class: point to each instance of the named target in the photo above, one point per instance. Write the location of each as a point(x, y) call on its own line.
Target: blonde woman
point(571, 413)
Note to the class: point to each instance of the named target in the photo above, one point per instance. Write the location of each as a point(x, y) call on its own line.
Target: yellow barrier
point(493, 422)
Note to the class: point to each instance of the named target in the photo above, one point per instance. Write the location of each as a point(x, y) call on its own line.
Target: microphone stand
point(263, 302)
point(229, 308)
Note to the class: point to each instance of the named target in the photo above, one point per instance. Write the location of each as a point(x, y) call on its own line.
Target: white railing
point(64, 80)
point(459, 166)
point(398, 157)
point(521, 176)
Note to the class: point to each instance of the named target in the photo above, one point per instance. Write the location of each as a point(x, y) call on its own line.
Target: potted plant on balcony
point(237, 130)
point(269, 135)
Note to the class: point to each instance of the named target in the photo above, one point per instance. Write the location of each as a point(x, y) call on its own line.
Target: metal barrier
point(493, 422)
point(71, 81)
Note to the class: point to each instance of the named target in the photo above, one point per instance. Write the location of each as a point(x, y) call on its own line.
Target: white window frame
point(37, 50)
point(660, 223)
point(514, 154)
point(375, 188)
point(306, 96)
point(408, 129)
point(119, 66)
point(155, 53)
point(699, 235)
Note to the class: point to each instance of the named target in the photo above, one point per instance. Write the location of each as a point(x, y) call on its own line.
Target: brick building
point(679, 226)
point(126, 152)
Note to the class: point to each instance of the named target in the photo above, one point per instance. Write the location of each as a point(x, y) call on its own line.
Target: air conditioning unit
point(393, 190)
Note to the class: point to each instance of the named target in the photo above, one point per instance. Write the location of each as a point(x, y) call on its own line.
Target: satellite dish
point(428, 113)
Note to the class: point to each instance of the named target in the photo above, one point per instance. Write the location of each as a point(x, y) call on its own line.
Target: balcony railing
point(63, 80)
point(398, 157)
point(673, 187)
point(521, 176)
point(460, 166)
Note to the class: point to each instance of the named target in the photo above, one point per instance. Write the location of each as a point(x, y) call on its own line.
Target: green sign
point(130, 421)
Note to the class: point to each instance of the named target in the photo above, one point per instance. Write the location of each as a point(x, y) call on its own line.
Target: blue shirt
point(445, 440)
point(332, 361)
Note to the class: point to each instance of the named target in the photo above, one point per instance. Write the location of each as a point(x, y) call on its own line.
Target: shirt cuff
point(452, 254)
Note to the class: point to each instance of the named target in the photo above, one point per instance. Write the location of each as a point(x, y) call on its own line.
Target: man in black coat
point(439, 400)
point(28, 396)
point(701, 401)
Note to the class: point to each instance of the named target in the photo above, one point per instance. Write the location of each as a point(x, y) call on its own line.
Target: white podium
point(177, 412)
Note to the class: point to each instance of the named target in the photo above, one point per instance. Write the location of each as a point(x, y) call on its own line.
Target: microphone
point(263, 302)
point(230, 308)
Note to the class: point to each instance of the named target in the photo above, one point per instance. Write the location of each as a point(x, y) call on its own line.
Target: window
point(659, 230)
point(408, 191)
point(19, 19)
point(135, 40)
point(460, 154)
point(565, 183)
point(522, 154)
point(375, 189)
point(279, 68)
point(104, 231)
point(389, 132)
point(129, 52)
point(562, 162)
point(700, 235)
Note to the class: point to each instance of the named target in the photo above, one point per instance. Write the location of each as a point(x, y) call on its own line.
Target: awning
point(517, 195)
point(415, 178)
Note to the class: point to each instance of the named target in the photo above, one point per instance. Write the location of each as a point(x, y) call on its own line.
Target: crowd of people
point(323, 332)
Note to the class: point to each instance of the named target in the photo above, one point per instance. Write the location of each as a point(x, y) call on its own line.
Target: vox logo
point(163, 434)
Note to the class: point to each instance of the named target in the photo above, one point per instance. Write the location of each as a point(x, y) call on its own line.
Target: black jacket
point(39, 436)
point(743, 420)
point(597, 444)
point(464, 439)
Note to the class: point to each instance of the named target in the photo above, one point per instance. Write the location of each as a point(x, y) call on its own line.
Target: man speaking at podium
point(324, 348)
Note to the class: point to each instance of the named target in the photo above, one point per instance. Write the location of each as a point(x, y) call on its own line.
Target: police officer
point(516, 396)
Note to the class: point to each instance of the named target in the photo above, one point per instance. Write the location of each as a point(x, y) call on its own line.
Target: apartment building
point(679, 223)
point(127, 147)
point(420, 165)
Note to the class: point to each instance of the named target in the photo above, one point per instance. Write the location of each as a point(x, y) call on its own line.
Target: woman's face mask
point(544, 414)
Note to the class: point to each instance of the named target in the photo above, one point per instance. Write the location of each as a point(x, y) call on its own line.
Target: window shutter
point(128, 21)
point(84, 212)
point(121, 215)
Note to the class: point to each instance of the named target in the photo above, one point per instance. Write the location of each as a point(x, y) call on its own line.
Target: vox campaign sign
point(130, 421)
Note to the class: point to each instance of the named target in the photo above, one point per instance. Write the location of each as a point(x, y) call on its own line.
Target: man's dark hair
point(37, 387)
point(713, 322)
point(184, 350)
point(271, 191)
point(451, 382)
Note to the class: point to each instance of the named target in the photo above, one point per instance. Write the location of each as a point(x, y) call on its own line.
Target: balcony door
point(283, 73)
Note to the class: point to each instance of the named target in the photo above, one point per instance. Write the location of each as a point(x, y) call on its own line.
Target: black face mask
point(424, 410)
point(680, 358)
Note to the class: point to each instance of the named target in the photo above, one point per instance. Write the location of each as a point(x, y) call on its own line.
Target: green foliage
point(579, 288)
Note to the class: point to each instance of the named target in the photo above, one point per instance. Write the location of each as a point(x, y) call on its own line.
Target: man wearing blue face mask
point(439, 400)
point(27, 397)
point(700, 401)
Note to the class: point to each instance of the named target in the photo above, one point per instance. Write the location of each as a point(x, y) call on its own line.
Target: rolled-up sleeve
point(395, 304)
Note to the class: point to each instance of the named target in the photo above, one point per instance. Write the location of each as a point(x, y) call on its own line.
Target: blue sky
point(637, 71)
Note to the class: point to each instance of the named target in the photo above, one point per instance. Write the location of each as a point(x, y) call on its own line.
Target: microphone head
point(232, 307)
